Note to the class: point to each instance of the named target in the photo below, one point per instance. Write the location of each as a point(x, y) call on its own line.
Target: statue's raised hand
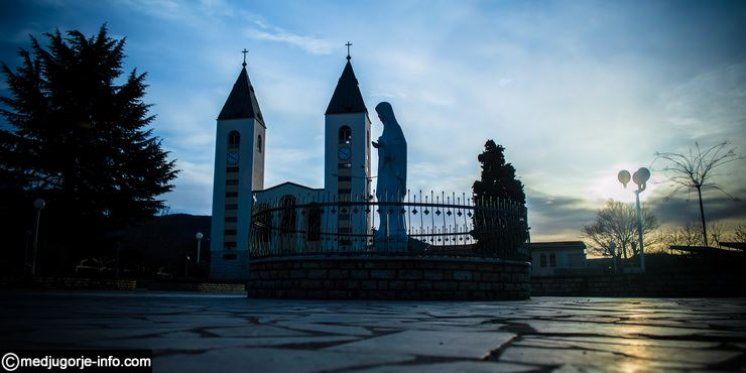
point(375, 144)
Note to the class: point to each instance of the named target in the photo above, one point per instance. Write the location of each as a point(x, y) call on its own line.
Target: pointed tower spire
point(242, 103)
point(347, 97)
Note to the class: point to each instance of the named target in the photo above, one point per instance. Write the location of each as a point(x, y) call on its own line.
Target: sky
point(575, 90)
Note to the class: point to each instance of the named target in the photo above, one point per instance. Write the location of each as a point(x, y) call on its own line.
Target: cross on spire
point(348, 50)
point(244, 51)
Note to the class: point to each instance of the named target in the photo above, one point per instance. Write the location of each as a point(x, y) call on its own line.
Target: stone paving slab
point(192, 332)
point(598, 360)
point(270, 360)
point(461, 366)
point(196, 344)
point(671, 354)
point(469, 345)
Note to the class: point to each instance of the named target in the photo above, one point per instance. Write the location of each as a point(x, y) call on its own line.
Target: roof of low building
point(734, 245)
point(288, 184)
point(558, 245)
point(705, 250)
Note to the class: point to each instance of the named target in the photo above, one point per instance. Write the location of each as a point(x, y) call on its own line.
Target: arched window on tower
point(345, 135)
point(234, 139)
point(259, 143)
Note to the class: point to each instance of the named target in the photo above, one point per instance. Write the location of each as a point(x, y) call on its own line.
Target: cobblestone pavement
point(198, 333)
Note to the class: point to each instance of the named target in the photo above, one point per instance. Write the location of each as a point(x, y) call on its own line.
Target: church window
point(314, 222)
point(287, 224)
point(259, 144)
point(345, 135)
point(264, 223)
point(552, 260)
point(234, 138)
point(543, 260)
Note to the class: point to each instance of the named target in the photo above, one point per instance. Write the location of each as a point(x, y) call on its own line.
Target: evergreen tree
point(79, 137)
point(500, 224)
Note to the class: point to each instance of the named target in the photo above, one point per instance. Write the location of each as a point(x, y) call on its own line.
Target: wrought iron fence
point(436, 224)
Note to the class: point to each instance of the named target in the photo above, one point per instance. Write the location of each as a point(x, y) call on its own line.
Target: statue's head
point(385, 112)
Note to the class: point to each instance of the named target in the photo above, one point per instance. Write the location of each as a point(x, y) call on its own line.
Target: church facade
point(238, 183)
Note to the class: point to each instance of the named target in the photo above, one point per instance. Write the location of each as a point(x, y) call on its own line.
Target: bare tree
point(685, 235)
point(689, 235)
point(694, 171)
point(717, 233)
point(739, 234)
point(617, 222)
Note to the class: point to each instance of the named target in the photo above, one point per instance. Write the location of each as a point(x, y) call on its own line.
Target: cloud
point(708, 107)
point(683, 208)
point(192, 189)
point(554, 217)
point(293, 164)
point(166, 9)
point(188, 126)
point(310, 44)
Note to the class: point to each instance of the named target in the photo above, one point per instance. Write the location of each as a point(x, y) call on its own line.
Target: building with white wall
point(555, 258)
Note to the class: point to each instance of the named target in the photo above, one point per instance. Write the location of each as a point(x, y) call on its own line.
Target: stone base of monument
point(388, 277)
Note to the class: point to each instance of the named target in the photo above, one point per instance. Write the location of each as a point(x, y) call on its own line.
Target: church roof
point(347, 97)
point(241, 103)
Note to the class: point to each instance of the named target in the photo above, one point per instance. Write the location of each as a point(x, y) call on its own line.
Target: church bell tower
point(239, 171)
point(347, 153)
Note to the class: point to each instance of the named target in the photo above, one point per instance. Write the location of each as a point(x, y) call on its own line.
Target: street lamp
point(199, 237)
point(38, 205)
point(186, 267)
point(640, 177)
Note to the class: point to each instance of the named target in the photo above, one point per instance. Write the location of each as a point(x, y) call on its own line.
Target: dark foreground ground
point(224, 333)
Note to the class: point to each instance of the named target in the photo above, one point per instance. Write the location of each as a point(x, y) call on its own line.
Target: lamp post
point(118, 247)
point(186, 267)
point(38, 205)
point(640, 177)
point(199, 237)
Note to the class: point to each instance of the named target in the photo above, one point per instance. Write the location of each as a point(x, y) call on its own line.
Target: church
point(238, 184)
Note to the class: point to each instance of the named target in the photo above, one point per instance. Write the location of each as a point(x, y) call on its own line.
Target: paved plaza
point(225, 333)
